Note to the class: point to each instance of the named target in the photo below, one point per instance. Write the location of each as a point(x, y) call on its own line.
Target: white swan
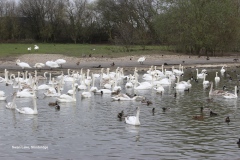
point(159, 88)
point(39, 65)
point(180, 86)
point(64, 98)
point(60, 62)
point(141, 59)
point(36, 47)
point(2, 96)
point(200, 75)
point(231, 95)
point(23, 65)
point(87, 94)
point(205, 83)
point(29, 49)
point(28, 110)
point(217, 79)
point(12, 105)
point(133, 120)
point(52, 64)
point(222, 70)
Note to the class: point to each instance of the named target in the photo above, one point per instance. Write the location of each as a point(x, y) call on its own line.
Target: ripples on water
point(89, 128)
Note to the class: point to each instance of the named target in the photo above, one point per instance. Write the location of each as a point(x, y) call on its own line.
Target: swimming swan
point(231, 95)
point(28, 110)
point(133, 120)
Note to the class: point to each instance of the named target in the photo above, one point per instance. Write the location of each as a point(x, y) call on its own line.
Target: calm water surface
point(90, 129)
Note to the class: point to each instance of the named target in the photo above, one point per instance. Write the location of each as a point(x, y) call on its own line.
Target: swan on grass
point(231, 95)
point(23, 65)
point(28, 110)
point(133, 120)
point(12, 105)
point(36, 47)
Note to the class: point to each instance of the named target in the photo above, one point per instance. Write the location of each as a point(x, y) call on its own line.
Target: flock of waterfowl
point(26, 84)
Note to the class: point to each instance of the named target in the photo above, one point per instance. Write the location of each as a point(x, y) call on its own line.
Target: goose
point(23, 65)
point(52, 64)
point(28, 110)
point(217, 79)
point(12, 105)
point(216, 92)
point(60, 62)
point(133, 120)
point(141, 59)
point(231, 95)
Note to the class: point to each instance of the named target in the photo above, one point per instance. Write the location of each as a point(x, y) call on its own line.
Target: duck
point(227, 119)
point(212, 114)
point(153, 111)
point(53, 103)
point(57, 107)
point(166, 109)
point(238, 142)
point(133, 120)
point(204, 109)
point(120, 115)
point(200, 118)
point(146, 102)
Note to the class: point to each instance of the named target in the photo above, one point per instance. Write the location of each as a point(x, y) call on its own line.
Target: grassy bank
point(78, 50)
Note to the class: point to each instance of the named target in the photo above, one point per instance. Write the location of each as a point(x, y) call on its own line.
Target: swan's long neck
point(211, 88)
point(235, 90)
point(216, 74)
point(197, 73)
point(137, 116)
point(34, 104)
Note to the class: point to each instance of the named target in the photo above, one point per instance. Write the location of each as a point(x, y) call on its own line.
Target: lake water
point(90, 129)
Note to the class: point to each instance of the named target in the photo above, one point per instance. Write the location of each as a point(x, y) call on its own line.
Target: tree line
point(191, 26)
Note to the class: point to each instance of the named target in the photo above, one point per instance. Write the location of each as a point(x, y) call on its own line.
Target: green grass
point(78, 50)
